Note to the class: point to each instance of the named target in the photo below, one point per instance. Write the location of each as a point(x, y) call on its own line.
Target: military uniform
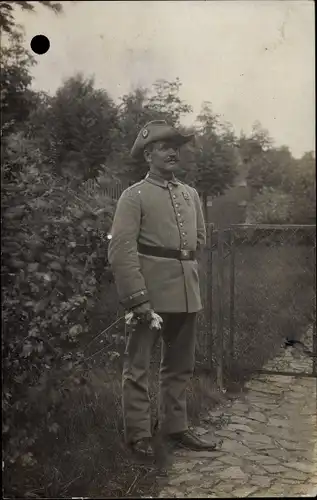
point(158, 213)
point(153, 215)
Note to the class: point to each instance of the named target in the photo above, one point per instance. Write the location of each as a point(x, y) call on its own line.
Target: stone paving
point(269, 440)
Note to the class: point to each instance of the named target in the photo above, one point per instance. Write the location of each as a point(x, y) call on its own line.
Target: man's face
point(163, 156)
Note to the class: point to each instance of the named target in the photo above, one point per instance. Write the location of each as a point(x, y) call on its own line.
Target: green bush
point(54, 262)
point(291, 199)
point(270, 206)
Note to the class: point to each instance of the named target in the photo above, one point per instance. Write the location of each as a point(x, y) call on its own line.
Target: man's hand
point(144, 314)
point(142, 308)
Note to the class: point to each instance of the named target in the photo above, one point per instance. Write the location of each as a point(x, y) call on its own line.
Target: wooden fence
point(113, 189)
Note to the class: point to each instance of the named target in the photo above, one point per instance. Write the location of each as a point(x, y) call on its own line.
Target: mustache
point(172, 157)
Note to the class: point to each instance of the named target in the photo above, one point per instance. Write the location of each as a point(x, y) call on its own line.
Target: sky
point(253, 60)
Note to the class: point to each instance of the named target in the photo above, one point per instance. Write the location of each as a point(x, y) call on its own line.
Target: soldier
point(157, 229)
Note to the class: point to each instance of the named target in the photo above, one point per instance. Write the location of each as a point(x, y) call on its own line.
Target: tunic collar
point(159, 181)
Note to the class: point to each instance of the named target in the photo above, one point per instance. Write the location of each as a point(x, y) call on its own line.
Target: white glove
point(154, 319)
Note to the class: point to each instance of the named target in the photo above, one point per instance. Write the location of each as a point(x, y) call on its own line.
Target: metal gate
point(261, 300)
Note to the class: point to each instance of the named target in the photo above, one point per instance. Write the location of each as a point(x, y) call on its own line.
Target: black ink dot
point(40, 44)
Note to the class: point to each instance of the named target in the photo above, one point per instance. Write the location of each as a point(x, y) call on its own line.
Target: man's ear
point(147, 155)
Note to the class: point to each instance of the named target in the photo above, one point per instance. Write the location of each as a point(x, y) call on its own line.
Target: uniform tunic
point(159, 213)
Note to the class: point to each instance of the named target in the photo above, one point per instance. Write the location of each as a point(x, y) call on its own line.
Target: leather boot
point(187, 439)
point(142, 448)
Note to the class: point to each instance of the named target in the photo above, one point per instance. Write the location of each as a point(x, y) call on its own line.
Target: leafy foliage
point(7, 21)
point(271, 206)
point(283, 187)
point(215, 154)
point(303, 189)
point(162, 101)
point(76, 129)
point(16, 96)
point(271, 169)
point(215, 160)
point(53, 263)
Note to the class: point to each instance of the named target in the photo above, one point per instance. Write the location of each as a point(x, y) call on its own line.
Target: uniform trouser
point(177, 364)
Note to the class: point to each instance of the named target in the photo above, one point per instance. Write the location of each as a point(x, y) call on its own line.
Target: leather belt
point(167, 253)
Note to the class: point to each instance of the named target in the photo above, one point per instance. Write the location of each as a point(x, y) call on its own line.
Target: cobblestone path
point(269, 440)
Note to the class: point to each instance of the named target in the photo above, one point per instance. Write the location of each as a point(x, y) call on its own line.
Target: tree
point(160, 102)
point(254, 151)
point(215, 155)
point(271, 169)
point(268, 166)
point(76, 129)
point(283, 187)
point(16, 96)
point(303, 190)
point(287, 191)
point(165, 102)
point(7, 21)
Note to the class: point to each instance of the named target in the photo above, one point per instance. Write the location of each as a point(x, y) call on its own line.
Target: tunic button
point(179, 214)
point(142, 293)
point(176, 205)
point(174, 196)
point(183, 234)
point(181, 224)
point(185, 243)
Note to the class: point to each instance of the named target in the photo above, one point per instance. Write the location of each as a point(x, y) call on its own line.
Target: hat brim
point(175, 139)
point(180, 139)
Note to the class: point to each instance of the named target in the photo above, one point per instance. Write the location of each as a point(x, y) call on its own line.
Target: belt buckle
point(184, 254)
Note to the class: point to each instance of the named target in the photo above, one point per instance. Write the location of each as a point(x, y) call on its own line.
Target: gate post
point(209, 292)
point(232, 297)
point(314, 316)
point(220, 309)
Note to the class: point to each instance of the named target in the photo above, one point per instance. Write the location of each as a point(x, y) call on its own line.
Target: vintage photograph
point(158, 249)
